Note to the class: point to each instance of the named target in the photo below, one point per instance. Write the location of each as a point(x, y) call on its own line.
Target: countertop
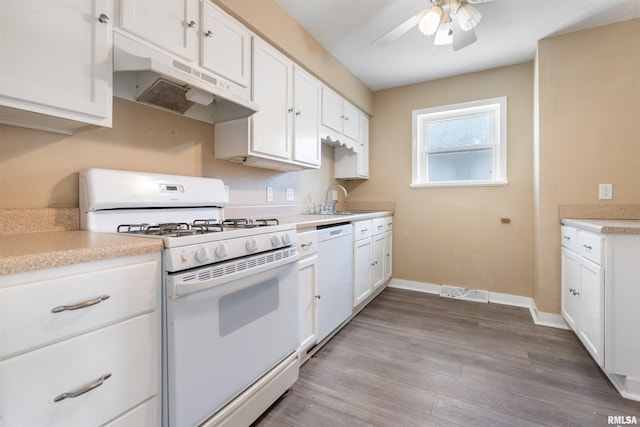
point(37, 251)
point(313, 220)
point(40, 250)
point(605, 226)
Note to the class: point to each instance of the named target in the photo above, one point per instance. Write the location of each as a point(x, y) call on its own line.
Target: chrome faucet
point(331, 208)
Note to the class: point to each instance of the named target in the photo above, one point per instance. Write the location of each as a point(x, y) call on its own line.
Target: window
point(460, 145)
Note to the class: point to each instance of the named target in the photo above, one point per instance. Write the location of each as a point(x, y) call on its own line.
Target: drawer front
point(379, 225)
point(569, 238)
point(308, 243)
point(129, 351)
point(362, 229)
point(147, 414)
point(590, 246)
point(27, 320)
point(389, 221)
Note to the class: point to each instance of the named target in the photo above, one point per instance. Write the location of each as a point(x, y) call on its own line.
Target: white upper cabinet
point(55, 64)
point(226, 45)
point(306, 126)
point(340, 117)
point(284, 134)
point(273, 91)
point(172, 25)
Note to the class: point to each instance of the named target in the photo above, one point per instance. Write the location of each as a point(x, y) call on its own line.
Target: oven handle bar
point(222, 285)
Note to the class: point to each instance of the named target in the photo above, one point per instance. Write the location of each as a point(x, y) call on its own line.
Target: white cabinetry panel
point(55, 62)
point(172, 25)
point(31, 382)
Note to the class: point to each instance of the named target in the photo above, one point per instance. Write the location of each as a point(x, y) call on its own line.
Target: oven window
point(247, 305)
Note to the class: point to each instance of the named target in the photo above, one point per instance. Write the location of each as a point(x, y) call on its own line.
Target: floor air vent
point(464, 293)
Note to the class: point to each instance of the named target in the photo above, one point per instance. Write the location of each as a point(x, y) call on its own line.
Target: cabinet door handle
point(298, 113)
point(80, 305)
point(318, 296)
point(306, 245)
point(83, 390)
point(192, 24)
point(587, 247)
point(208, 34)
point(566, 237)
point(103, 19)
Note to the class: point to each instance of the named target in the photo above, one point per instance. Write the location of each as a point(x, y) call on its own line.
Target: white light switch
point(605, 191)
point(289, 194)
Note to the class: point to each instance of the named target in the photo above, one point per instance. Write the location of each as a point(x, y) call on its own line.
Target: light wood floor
point(414, 359)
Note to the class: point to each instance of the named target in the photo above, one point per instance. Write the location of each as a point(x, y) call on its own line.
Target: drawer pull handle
point(83, 390)
point(566, 237)
point(587, 247)
point(80, 305)
point(306, 245)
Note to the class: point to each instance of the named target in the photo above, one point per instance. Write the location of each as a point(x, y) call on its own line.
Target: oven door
point(221, 336)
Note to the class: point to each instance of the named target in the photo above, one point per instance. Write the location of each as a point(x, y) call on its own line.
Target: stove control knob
point(221, 251)
point(251, 245)
point(202, 255)
point(275, 241)
point(286, 240)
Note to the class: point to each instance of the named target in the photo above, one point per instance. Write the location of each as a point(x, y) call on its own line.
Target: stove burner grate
point(249, 223)
point(199, 226)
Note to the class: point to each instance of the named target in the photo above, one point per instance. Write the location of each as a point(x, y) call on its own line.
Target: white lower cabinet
point(308, 277)
point(372, 256)
point(600, 292)
point(583, 290)
point(80, 345)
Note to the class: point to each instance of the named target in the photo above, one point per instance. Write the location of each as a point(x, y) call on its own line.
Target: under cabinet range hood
point(148, 75)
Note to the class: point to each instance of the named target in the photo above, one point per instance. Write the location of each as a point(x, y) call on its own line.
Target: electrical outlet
point(269, 194)
point(289, 194)
point(334, 195)
point(605, 191)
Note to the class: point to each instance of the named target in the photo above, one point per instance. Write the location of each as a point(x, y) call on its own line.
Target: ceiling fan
point(451, 21)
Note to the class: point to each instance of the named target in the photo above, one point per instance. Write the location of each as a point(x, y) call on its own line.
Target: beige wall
point(39, 169)
point(589, 127)
point(454, 235)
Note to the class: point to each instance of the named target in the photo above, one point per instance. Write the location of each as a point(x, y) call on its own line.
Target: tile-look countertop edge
point(617, 212)
point(604, 226)
point(38, 251)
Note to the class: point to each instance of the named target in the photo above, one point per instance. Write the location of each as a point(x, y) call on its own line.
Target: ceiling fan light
point(468, 17)
point(444, 36)
point(429, 24)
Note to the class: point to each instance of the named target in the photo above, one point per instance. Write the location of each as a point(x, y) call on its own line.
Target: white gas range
point(230, 292)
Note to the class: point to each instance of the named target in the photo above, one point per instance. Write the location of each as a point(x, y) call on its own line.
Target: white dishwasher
point(335, 277)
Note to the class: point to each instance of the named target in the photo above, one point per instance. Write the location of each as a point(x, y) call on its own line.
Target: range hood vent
point(168, 95)
point(148, 75)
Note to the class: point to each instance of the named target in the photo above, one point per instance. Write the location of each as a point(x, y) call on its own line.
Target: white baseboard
point(539, 318)
point(414, 286)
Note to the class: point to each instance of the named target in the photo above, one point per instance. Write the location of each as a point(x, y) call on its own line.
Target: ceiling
point(507, 34)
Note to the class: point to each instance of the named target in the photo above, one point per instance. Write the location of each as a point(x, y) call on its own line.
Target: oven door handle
point(222, 285)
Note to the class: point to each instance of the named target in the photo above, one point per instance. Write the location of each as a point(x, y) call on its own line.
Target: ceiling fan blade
point(400, 29)
point(462, 38)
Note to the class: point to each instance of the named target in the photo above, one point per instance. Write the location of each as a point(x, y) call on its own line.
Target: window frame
point(497, 107)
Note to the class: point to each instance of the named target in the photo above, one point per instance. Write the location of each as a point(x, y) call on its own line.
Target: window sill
point(446, 184)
